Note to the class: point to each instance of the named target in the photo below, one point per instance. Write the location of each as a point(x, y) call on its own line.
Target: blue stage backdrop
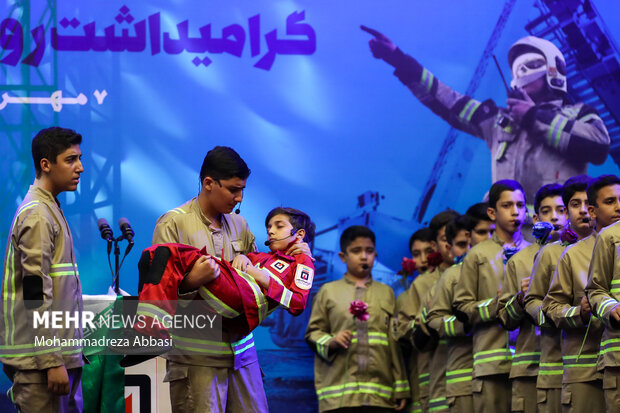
point(293, 87)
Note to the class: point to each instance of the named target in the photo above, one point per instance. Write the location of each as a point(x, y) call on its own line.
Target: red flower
point(408, 266)
point(359, 309)
point(434, 259)
point(569, 236)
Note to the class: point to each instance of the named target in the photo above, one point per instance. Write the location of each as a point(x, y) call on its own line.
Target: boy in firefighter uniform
point(475, 299)
point(408, 305)
point(603, 290)
point(430, 351)
point(549, 381)
point(459, 363)
point(411, 303)
point(358, 364)
point(40, 274)
point(225, 376)
point(568, 308)
point(549, 210)
point(458, 236)
point(539, 139)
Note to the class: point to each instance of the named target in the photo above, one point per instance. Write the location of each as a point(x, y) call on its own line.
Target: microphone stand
point(117, 261)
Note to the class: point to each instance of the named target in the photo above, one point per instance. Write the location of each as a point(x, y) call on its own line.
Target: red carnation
point(359, 309)
point(435, 259)
point(408, 266)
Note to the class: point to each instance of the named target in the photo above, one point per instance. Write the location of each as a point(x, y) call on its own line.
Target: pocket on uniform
point(476, 386)
point(610, 382)
point(176, 372)
point(567, 396)
point(517, 404)
point(237, 246)
point(541, 396)
point(450, 401)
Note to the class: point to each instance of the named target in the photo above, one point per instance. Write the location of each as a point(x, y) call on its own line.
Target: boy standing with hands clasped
point(358, 365)
point(475, 297)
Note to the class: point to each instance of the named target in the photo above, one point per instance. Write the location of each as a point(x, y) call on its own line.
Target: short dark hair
point(423, 234)
point(501, 186)
point(574, 184)
point(223, 162)
point(352, 233)
point(546, 191)
point(441, 220)
point(475, 214)
point(297, 218)
point(597, 184)
point(51, 142)
point(455, 226)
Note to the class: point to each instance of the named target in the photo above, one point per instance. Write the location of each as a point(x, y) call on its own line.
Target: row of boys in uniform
point(506, 326)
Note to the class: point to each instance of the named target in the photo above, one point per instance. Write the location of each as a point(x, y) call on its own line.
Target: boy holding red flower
point(358, 364)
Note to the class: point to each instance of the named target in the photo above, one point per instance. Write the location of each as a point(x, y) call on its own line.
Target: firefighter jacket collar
point(45, 194)
point(518, 242)
point(223, 217)
point(349, 281)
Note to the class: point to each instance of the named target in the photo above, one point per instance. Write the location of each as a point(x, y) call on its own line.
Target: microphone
point(105, 230)
point(238, 210)
point(365, 266)
point(268, 242)
point(128, 233)
point(585, 220)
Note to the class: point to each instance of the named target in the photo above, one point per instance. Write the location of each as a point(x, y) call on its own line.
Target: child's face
point(443, 246)
point(552, 210)
point(420, 250)
point(359, 257)
point(509, 212)
point(64, 173)
point(281, 232)
point(483, 230)
point(578, 211)
point(460, 243)
point(607, 208)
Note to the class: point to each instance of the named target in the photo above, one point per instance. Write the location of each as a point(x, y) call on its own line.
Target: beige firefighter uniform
point(434, 352)
point(549, 381)
point(371, 371)
point(40, 274)
point(188, 225)
point(409, 307)
point(458, 357)
point(581, 382)
point(553, 142)
point(475, 302)
point(603, 291)
point(511, 313)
